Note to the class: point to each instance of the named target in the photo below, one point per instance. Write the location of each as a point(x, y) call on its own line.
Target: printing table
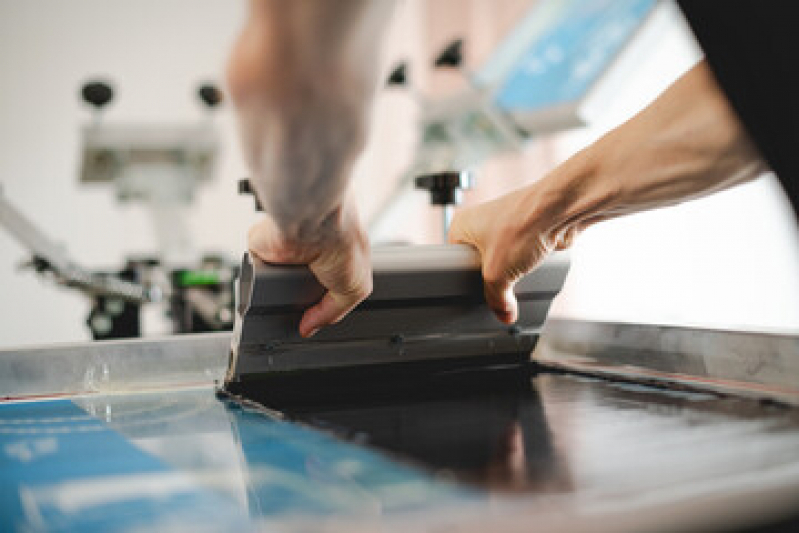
point(132, 436)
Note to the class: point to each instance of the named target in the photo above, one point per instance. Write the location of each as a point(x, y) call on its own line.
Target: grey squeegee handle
point(428, 297)
point(400, 273)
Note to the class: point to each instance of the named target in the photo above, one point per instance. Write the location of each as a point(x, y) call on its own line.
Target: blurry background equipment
point(162, 166)
point(195, 299)
point(159, 166)
point(51, 258)
point(557, 62)
point(116, 296)
point(446, 189)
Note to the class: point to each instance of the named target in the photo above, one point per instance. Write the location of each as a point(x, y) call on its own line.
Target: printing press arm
point(49, 256)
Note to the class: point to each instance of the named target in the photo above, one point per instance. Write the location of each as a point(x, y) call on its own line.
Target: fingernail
point(311, 333)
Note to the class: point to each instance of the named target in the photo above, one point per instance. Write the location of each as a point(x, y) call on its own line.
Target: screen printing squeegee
point(427, 306)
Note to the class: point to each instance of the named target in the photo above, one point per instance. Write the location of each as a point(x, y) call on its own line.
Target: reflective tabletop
point(562, 452)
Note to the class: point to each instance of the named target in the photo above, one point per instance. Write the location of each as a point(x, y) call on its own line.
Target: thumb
point(500, 297)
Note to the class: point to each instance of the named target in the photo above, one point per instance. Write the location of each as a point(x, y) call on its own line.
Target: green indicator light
point(192, 278)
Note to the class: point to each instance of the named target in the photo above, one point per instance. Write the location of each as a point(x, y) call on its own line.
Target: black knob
point(445, 187)
point(398, 76)
point(452, 55)
point(97, 93)
point(210, 95)
point(245, 187)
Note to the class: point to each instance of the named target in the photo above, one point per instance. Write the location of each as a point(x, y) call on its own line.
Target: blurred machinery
point(160, 167)
point(558, 66)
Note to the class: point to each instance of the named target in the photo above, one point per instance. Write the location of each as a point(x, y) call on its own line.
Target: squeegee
point(426, 315)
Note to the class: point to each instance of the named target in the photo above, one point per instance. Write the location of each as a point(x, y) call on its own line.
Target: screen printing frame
point(747, 363)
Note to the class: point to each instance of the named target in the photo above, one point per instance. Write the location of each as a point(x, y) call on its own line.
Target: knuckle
point(352, 289)
point(357, 291)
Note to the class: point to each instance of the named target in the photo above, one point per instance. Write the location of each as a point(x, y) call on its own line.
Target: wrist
point(336, 238)
point(334, 227)
point(569, 198)
point(301, 172)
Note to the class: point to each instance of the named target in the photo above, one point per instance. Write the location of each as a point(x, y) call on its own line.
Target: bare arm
point(302, 76)
point(688, 143)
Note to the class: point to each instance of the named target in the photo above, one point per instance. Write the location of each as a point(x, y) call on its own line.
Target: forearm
point(302, 76)
point(688, 143)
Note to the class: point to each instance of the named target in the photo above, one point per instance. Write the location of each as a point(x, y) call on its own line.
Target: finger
point(501, 298)
point(348, 277)
point(498, 287)
point(330, 309)
point(567, 239)
point(344, 293)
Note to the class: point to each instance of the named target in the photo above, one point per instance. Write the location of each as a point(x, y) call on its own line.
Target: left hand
point(340, 261)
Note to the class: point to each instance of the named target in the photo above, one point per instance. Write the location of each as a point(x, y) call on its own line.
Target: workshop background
point(727, 261)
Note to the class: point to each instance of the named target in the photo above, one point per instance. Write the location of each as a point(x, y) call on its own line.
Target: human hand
point(338, 255)
point(302, 76)
point(513, 235)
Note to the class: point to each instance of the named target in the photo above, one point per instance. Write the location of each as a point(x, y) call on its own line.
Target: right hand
point(688, 143)
point(511, 238)
point(339, 259)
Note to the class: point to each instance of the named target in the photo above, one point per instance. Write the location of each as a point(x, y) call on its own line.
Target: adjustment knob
point(210, 95)
point(245, 187)
point(445, 187)
point(97, 93)
point(398, 76)
point(445, 190)
point(451, 56)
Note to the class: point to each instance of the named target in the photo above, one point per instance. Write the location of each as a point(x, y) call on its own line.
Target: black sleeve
point(753, 48)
